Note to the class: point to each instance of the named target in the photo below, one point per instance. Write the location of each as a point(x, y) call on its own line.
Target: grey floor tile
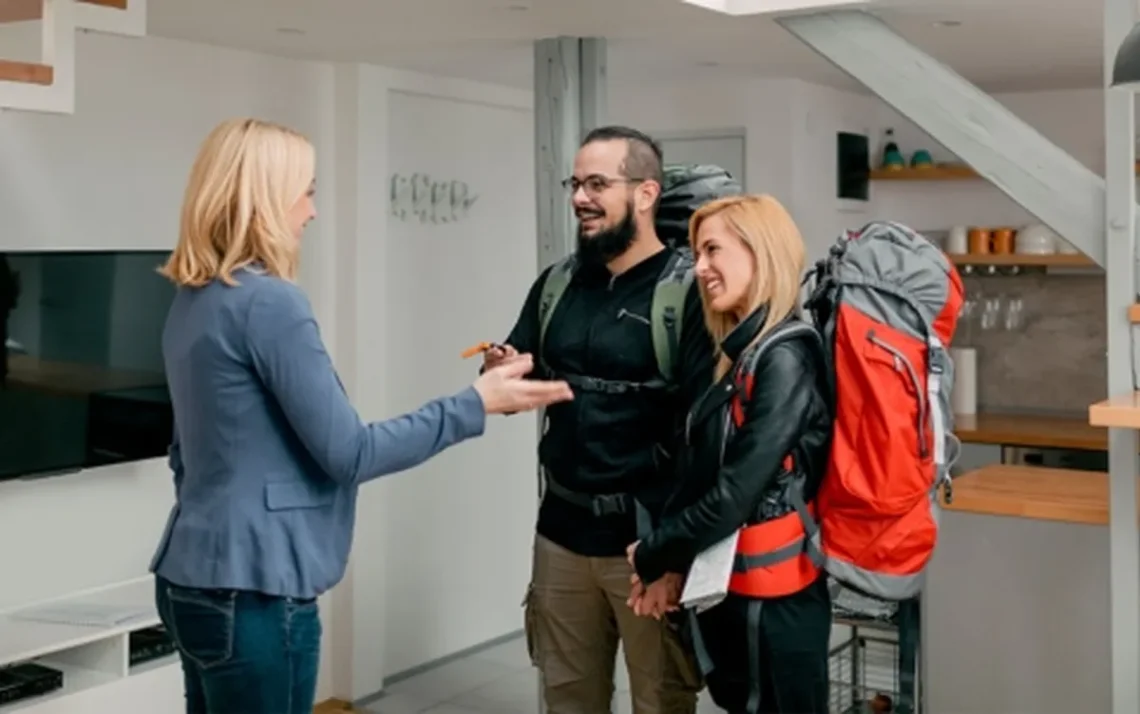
point(498, 680)
point(449, 708)
point(448, 681)
point(511, 653)
point(399, 704)
point(516, 693)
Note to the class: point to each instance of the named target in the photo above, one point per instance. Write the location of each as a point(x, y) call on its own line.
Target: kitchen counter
point(1030, 430)
point(1022, 565)
point(1033, 492)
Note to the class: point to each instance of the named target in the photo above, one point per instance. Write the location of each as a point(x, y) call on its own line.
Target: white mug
point(956, 240)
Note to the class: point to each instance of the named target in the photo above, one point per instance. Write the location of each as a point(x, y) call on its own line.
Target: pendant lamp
point(1126, 68)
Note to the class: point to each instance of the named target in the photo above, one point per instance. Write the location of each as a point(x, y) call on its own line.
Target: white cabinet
point(94, 659)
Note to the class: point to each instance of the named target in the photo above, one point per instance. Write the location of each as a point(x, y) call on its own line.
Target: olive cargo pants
point(576, 613)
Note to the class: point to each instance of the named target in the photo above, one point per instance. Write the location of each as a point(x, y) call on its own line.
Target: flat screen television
point(82, 382)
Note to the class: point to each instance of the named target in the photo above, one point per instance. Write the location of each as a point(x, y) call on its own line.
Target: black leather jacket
point(789, 412)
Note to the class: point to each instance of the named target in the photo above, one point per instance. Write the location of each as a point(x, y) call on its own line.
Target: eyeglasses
point(595, 184)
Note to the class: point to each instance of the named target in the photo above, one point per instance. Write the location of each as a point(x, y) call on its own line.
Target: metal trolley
point(876, 669)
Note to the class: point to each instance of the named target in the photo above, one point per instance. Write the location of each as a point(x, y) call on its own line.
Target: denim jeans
point(243, 652)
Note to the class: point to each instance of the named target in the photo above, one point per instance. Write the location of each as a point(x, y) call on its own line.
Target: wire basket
point(864, 675)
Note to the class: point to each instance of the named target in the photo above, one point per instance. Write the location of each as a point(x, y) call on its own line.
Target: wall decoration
point(431, 201)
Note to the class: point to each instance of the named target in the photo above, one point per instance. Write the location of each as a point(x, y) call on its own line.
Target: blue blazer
point(268, 453)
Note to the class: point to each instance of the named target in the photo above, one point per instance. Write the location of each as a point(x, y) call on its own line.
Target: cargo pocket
point(530, 625)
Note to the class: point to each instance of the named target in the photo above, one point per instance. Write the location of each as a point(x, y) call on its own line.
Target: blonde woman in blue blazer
point(268, 453)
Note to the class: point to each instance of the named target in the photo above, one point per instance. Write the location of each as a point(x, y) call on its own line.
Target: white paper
point(707, 582)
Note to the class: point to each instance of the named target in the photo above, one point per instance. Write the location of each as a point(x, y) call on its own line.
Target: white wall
point(410, 296)
point(790, 129)
point(763, 108)
point(450, 285)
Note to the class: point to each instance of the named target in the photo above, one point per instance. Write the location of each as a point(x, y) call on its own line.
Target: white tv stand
point(97, 675)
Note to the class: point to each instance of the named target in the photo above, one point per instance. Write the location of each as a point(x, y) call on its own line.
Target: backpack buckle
point(609, 504)
point(937, 359)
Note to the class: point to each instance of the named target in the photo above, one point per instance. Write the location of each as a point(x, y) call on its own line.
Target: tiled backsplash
point(1055, 360)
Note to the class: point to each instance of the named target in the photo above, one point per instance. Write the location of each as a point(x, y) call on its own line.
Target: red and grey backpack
point(884, 305)
point(886, 301)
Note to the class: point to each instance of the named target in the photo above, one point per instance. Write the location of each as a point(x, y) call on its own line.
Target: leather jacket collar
point(736, 341)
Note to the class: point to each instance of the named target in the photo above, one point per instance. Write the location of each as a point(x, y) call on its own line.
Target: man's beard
point(607, 244)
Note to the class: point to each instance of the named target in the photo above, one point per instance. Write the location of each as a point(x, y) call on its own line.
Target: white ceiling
point(649, 40)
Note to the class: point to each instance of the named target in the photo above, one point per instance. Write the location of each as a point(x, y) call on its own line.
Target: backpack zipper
point(903, 366)
point(725, 435)
point(626, 313)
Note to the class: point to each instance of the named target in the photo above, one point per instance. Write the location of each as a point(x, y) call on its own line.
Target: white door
point(725, 150)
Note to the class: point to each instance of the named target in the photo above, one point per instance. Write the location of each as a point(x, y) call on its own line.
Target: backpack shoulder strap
point(668, 310)
point(746, 366)
point(557, 280)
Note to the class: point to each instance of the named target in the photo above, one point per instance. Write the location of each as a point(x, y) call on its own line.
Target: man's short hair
point(643, 157)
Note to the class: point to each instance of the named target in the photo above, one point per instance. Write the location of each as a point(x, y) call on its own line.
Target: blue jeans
point(243, 652)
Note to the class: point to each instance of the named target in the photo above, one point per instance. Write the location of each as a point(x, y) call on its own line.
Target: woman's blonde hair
point(777, 250)
point(247, 177)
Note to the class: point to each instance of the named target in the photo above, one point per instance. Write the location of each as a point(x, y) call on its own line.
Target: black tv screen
point(82, 381)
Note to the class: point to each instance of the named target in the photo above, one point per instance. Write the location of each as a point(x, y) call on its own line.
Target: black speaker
point(853, 166)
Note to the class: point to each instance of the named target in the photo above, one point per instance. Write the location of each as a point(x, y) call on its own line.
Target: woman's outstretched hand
point(504, 390)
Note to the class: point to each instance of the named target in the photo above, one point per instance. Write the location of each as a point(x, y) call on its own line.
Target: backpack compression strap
point(667, 311)
point(557, 280)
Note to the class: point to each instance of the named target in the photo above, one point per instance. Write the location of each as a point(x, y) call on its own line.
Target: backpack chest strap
point(604, 504)
point(598, 385)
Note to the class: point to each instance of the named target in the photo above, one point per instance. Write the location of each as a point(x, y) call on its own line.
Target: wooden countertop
point(1030, 430)
point(1033, 492)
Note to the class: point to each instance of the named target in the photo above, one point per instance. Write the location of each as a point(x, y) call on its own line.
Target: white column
point(1120, 293)
point(569, 101)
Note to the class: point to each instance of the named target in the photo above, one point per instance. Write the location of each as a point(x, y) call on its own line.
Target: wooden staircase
point(48, 85)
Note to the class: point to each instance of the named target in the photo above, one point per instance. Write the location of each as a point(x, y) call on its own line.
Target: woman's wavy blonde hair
point(247, 177)
point(777, 249)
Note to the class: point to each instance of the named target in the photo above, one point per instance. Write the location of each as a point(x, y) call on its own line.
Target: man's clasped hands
point(657, 598)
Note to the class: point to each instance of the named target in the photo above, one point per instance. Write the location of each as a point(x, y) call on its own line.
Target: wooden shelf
point(934, 173)
point(1030, 430)
point(945, 172)
point(1065, 495)
point(1122, 412)
point(117, 4)
point(1055, 260)
point(21, 10)
point(26, 72)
